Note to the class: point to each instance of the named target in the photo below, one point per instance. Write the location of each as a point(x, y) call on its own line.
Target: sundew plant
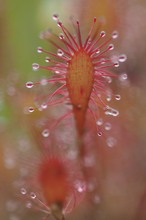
point(80, 74)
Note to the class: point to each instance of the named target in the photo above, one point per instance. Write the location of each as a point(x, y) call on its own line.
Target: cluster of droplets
point(31, 199)
point(31, 195)
point(106, 126)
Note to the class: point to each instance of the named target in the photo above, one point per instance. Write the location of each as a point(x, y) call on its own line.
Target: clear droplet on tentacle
point(99, 133)
point(117, 97)
point(29, 85)
point(47, 59)
point(122, 58)
point(99, 122)
point(23, 191)
point(102, 34)
point(60, 52)
point(31, 109)
point(123, 77)
point(39, 49)
point(115, 34)
point(111, 47)
point(45, 133)
point(55, 17)
point(107, 126)
point(44, 106)
point(28, 205)
point(98, 51)
point(111, 141)
point(61, 36)
point(111, 111)
point(32, 195)
point(43, 82)
point(35, 66)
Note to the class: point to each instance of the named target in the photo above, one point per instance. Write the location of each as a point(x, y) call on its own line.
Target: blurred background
point(121, 169)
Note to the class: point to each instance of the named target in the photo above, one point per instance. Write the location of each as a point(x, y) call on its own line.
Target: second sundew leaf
point(80, 83)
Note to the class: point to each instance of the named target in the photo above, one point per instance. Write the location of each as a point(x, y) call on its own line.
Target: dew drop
point(123, 77)
point(91, 186)
point(11, 90)
point(57, 71)
point(116, 64)
point(102, 34)
point(60, 53)
point(112, 111)
point(40, 108)
point(61, 36)
point(111, 47)
point(43, 82)
point(102, 60)
point(80, 189)
point(35, 66)
point(55, 17)
point(80, 186)
point(89, 41)
point(47, 59)
point(117, 97)
point(107, 126)
point(72, 155)
point(11, 206)
point(122, 58)
point(23, 191)
point(45, 133)
point(29, 85)
point(10, 162)
point(115, 112)
point(111, 141)
point(89, 161)
point(13, 217)
point(28, 205)
point(32, 195)
point(115, 34)
point(59, 23)
point(96, 199)
point(108, 79)
point(39, 49)
point(44, 106)
point(31, 109)
point(23, 172)
point(109, 97)
point(99, 121)
point(98, 51)
point(45, 34)
point(99, 133)
point(114, 58)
